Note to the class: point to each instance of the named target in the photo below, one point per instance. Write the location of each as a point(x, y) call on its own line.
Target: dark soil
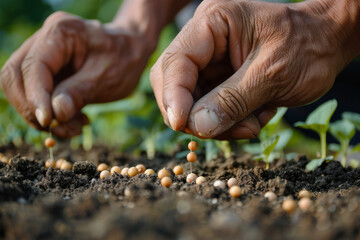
point(36, 203)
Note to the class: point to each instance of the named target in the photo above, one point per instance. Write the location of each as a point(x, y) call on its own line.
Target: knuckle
point(26, 65)
point(232, 103)
point(55, 17)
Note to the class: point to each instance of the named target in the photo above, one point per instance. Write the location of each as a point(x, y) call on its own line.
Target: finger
point(54, 49)
point(244, 92)
point(265, 114)
point(72, 127)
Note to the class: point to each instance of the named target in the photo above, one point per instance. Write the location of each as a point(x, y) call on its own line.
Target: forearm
point(147, 17)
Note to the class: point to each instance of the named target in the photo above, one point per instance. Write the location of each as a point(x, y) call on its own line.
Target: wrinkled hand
point(68, 63)
point(236, 61)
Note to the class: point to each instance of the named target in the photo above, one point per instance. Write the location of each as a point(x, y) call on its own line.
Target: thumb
point(230, 102)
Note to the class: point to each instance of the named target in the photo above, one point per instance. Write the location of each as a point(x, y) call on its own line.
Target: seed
point(163, 173)
point(133, 171)
point(115, 169)
point(178, 170)
point(193, 146)
point(235, 191)
point(54, 123)
point(65, 165)
point(271, 196)
point(191, 157)
point(149, 172)
point(305, 204)
point(104, 174)
point(50, 163)
point(49, 142)
point(141, 168)
point(219, 184)
point(304, 194)
point(166, 181)
point(59, 162)
point(124, 171)
point(200, 180)
point(4, 159)
point(232, 182)
point(102, 166)
point(191, 178)
point(289, 205)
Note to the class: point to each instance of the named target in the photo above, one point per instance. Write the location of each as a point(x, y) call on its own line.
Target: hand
point(236, 61)
point(71, 62)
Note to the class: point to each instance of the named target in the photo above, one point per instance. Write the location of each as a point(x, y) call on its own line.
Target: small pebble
point(232, 182)
point(104, 174)
point(219, 184)
point(115, 169)
point(191, 178)
point(200, 180)
point(235, 191)
point(271, 196)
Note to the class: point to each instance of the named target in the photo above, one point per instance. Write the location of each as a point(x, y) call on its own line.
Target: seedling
point(318, 121)
point(267, 147)
point(343, 131)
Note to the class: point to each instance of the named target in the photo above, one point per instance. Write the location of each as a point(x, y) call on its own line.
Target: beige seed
point(50, 163)
point(149, 172)
point(219, 184)
point(178, 170)
point(232, 182)
point(163, 173)
point(133, 171)
point(59, 162)
point(141, 168)
point(49, 142)
point(104, 174)
point(124, 171)
point(271, 196)
point(304, 194)
point(115, 169)
point(193, 146)
point(200, 180)
point(54, 123)
point(305, 204)
point(66, 165)
point(102, 167)
point(191, 157)
point(4, 159)
point(235, 191)
point(289, 205)
point(191, 178)
point(166, 181)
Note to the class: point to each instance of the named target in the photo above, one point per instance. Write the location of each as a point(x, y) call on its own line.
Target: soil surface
point(39, 203)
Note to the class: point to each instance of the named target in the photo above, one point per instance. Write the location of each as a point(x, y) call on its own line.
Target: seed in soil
point(133, 171)
point(304, 194)
point(200, 180)
point(193, 146)
point(178, 170)
point(271, 196)
point(115, 169)
point(166, 182)
point(50, 163)
point(232, 182)
point(163, 173)
point(219, 184)
point(149, 172)
point(66, 165)
point(141, 168)
point(59, 163)
point(235, 191)
point(124, 171)
point(4, 159)
point(289, 205)
point(49, 142)
point(102, 166)
point(191, 178)
point(104, 174)
point(305, 203)
point(191, 157)
point(54, 123)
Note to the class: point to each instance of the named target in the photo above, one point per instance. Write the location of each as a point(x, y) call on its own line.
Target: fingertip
point(266, 115)
point(63, 107)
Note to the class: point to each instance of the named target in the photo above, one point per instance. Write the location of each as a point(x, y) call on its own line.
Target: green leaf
point(253, 148)
point(352, 117)
point(269, 129)
point(284, 138)
point(354, 163)
point(334, 147)
point(291, 156)
point(342, 130)
point(259, 157)
point(313, 164)
point(269, 144)
point(318, 120)
point(356, 148)
point(211, 150)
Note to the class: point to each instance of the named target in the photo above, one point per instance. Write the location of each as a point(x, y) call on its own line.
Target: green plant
point(318, 121)
point(343, 130)
point(267, 146)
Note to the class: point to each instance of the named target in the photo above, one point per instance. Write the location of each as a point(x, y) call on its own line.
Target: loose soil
point(39, 203)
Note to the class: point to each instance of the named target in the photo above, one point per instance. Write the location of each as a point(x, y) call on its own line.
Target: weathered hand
point(71, 62)
point(260, 56)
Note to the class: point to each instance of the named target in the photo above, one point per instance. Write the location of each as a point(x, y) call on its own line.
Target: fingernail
point(205, 122)
point(63, 106)
point(171, 118)
point(40, 116)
